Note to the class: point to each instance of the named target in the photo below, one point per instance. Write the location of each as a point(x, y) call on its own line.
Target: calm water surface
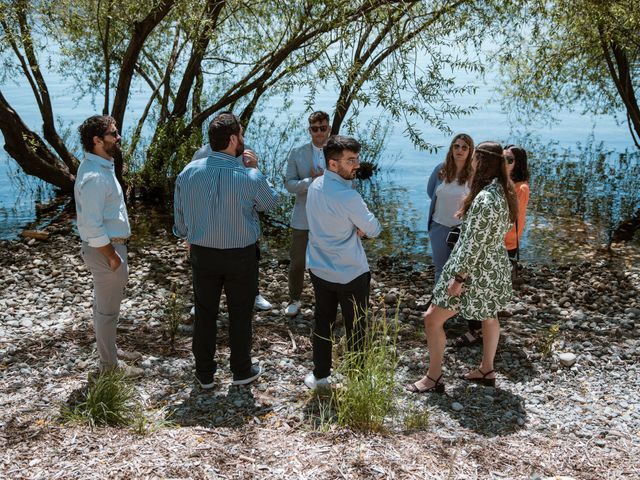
point(585, 171)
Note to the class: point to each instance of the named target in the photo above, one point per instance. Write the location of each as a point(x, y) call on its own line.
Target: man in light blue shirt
point(338, 219)
point(104, 228)
point(216, 205)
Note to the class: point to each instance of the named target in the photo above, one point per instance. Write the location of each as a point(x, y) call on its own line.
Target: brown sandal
point(487, 382)
point(437, 387)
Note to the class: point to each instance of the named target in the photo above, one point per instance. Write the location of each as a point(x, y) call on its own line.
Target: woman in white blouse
point(447, 188)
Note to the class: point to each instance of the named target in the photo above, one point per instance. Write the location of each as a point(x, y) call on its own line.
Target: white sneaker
point(292, 309)
point(313, 383)
point(262, 304)
point(193, 311)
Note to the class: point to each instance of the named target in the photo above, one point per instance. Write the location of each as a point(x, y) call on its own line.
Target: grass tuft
point(110, 400)
point(548, 339)
point(363, 397)
point(416, 417)
point(173, 314)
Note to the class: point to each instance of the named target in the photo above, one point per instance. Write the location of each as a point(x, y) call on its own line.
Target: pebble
point(598, 323)
point(567, 359)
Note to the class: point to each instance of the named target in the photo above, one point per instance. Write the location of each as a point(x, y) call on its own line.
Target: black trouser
point(258, 256)
point(354, 294)
point(234, 270)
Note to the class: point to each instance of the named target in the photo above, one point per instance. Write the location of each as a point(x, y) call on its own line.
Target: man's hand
point(316, 173)
point(250, 159)
point(455, 288)
point(115, 261)
point(112, 256)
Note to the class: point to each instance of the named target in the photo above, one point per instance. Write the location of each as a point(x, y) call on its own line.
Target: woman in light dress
point(476, 280)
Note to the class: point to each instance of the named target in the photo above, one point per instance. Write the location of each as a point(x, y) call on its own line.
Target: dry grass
point(254, 452)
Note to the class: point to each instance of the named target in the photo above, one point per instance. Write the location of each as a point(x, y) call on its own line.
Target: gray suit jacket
point(297, 181)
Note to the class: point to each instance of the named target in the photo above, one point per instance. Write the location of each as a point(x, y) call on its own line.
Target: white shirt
point(102, 213)
point(335, 210)
point(449, 198)
point(318, 157)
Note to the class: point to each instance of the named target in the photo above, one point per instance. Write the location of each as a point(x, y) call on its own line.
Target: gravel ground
point(566, 401)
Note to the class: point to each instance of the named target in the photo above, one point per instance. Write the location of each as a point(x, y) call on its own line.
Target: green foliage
point(363, 397)
point(109, 401)
point(197, 58)
point(167, 156)
point(555, 53)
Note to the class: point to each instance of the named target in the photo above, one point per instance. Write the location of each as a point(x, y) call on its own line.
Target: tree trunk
point(141, 31)
point(30, 151)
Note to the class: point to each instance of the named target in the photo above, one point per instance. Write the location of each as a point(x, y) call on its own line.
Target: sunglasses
point(114, 134)
point(510, 160)
point(322, 128)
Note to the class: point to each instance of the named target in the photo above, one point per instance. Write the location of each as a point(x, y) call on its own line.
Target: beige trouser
point(297, 255)
point(108, 288)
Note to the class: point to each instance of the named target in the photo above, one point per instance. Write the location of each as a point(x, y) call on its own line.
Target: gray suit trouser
point(108, 291)
point(298, 256)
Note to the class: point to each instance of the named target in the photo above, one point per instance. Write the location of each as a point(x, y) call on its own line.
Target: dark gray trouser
point(297, 255)
point(108, 292)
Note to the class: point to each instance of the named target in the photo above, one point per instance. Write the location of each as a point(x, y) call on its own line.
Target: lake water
point(400, 190)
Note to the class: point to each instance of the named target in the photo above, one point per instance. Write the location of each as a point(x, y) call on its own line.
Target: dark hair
point(94, 126)
point(318, 116)
point(448, 171)
point(336, 144)
point(490, 164)
point(221, 128)
point(520, 172)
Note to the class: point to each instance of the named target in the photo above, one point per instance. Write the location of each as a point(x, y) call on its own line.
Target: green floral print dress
point(481, 255)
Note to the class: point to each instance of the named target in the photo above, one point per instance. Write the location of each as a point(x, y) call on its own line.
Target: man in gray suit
point(304, 165)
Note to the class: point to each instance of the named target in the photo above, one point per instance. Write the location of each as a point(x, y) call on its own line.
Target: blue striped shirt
point(217, 200)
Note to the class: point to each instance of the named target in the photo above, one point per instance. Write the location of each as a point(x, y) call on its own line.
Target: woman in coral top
point(518, 170)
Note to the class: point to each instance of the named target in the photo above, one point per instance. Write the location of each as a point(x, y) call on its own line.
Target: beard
point(240, 148)
point(346, 173)
point(113, 149)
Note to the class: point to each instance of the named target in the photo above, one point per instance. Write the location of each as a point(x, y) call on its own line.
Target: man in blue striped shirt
point(216, 205)
point(337, 263)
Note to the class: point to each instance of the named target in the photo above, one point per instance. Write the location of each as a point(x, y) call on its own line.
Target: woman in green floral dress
point(476, 280)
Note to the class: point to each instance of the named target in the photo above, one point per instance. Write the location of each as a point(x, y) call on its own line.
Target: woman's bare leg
point(490, 337)
point(434, 321)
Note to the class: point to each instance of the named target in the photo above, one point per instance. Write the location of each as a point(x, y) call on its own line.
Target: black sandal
point(487, 382)
point(437, 387)
point(463, 340)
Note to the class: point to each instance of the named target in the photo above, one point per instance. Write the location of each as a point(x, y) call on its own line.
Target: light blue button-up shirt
point(102, 212)
point(335, 211)
point(216, 202)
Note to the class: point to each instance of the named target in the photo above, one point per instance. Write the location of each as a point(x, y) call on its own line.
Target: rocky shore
point(567, 400)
